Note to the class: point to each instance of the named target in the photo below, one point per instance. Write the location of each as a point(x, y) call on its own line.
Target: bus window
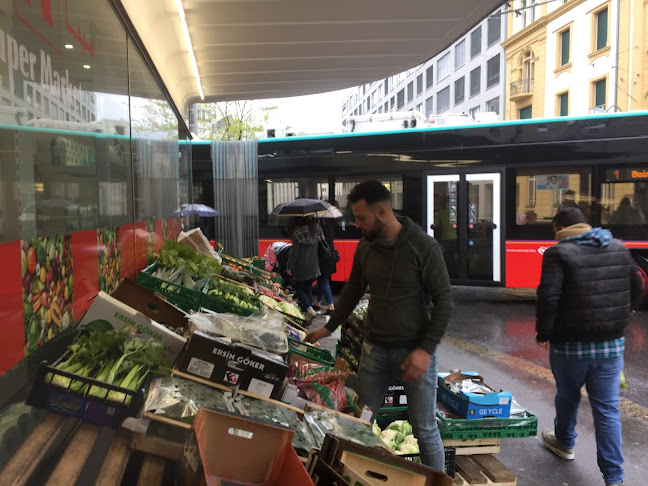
point(624, 202)
point(541, 193)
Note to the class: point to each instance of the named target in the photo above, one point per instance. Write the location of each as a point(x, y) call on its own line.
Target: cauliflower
point(410, 439)
point(392, 438)
point(408, 448)
point(402, 426)
point(376, 429)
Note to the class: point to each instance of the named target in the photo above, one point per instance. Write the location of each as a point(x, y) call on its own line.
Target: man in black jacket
point(588, 289)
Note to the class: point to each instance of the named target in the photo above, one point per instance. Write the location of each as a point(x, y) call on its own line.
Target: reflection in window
point(543, 192)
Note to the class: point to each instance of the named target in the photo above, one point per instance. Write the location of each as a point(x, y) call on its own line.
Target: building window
point(386, 85)
point(564, 47)
point(443, 100)
point(528, 11)
point(601, 29)
point(475, 42)
point(600, 93)
point(380, 108)
point(391, 103)
point(494, 28)
point(475, 81)
point(460, 90)
point(493, 71)
point(386, 107)
point(419, 108)
point(400, 99)
point(531, 199)
point(563, 104)
point(368, 104)
point(429, 77)
point(443, 67)
point(493, 105)
point(525, 113)
point(460, 54)
point(429, 106)
point(410, 91)
point(473, 111)
point(419, 84)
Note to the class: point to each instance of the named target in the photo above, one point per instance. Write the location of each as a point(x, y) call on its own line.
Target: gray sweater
point(411, 297)
point(303, 260)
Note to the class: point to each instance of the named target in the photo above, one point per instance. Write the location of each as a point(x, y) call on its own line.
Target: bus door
point(463, 214)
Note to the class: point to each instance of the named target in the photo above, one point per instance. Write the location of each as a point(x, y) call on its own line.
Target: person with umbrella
point(303, 261)
point(327, 262)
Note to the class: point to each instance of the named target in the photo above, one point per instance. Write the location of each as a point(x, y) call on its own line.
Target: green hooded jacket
point(411, 297)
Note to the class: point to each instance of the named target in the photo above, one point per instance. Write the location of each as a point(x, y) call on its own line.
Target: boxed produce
point(468, 395)
point(377, 466)
point(239, 451)
point(231, 364)
point(100, 378)
point(395, 396)
point(107, 313)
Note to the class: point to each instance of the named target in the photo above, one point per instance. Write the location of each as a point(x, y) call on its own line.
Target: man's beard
point(375, 230)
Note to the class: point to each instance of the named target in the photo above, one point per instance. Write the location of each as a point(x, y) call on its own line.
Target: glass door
point(464, 216)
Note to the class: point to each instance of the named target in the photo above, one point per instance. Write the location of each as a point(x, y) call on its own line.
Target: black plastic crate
point(79, 403)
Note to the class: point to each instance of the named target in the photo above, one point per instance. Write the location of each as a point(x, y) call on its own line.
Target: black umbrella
point(301, 207)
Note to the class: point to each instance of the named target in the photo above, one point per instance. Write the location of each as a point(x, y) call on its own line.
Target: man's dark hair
point(371, 191)
point(568, 216)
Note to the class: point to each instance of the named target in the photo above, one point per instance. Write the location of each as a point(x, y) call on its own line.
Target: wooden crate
point(482, 469)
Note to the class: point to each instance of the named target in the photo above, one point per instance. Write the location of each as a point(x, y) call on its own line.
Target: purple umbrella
point(197, 209)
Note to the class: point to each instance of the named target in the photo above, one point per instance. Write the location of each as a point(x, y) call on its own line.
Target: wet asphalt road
point(492, 331)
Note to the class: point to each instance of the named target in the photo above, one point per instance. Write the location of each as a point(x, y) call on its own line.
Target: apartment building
point(576, 57)
point(467, 77)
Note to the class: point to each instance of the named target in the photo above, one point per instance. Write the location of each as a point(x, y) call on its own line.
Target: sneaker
point(550, 442)
point(310, 315)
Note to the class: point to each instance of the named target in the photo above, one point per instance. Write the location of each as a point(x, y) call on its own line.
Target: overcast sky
point(310, 114)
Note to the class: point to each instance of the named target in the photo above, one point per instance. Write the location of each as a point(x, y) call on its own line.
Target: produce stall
point(161, 371)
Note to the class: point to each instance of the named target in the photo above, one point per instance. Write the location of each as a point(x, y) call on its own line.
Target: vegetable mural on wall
point(109, 253)
point(47, 288)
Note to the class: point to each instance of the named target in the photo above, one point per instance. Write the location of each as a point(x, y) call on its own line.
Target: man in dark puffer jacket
point(588, 289)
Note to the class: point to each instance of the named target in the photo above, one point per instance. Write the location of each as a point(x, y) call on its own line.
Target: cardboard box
point(230, 364)
point(372, 466)
point(107, 312)
point(238, 451)
point(473, 406)
point(395, 396)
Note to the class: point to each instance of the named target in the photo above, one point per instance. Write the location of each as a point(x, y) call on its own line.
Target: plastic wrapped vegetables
point(322, 423)
point(176, 254)
point(398, 437)
point(235, 294)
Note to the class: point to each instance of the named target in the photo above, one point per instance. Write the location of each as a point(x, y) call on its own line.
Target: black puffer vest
point(585, 292)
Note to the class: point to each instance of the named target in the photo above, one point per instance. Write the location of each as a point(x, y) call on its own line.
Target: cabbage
point(376, 429)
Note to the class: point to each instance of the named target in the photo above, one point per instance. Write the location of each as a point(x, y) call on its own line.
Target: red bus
point(486, 192)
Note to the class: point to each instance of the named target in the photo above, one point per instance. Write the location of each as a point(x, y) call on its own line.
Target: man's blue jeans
point(379, 367)
point(602, 379)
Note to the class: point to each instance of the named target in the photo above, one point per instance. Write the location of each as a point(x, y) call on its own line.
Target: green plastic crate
point(305, 350)
point(508, 428)
point(216, 304)
point(183, 297)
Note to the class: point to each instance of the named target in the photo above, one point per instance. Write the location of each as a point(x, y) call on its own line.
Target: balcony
point(521, 89)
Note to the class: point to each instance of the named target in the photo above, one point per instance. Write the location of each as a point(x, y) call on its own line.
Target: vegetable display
point(174, 254)
point(108, 248)
point(398, 437)
point(46, 265)
point(113, 357)
point(179, 276)
point(235, 294)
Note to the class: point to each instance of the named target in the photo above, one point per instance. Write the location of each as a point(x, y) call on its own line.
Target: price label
point(200, 367)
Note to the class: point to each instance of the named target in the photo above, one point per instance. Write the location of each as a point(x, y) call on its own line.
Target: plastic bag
point(320, 384)
point(265, 332)
point(322, 423)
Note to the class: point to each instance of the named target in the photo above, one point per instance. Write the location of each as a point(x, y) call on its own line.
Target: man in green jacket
point(409, 309)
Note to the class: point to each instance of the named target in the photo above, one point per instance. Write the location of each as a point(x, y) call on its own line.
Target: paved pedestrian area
point(492, 331)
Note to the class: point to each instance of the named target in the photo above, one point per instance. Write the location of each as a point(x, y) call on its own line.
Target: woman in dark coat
point(327, 266)
point(303, 262)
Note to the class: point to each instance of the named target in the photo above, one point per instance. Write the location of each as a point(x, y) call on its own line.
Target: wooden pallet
point(86, 448)
point(482, 469)
point(477, 446)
